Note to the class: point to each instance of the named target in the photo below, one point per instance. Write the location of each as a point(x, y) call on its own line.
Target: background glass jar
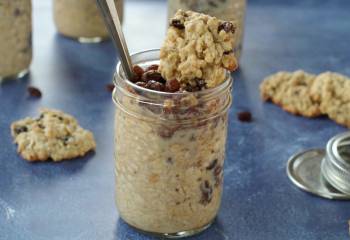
point(229, 10)
point(81, 19)
point(169, 156)
point(15, 38)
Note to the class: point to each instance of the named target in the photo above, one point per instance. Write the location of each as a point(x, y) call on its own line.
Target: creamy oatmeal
point(81, 19)
point(229, 10)
point(15, 37)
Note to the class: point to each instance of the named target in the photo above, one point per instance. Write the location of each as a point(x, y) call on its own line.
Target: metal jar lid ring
point(325, 173)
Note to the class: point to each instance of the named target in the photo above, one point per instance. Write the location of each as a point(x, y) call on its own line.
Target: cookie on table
point(335, 97)
point(198, 50)
point(291, 91)
point(54, 135)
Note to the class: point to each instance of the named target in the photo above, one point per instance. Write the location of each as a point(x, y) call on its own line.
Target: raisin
point(17, 12)
point(152, 75)
point(141, 84)
point(21, 129)
point(110, 87)
point(190, 88)
point(201, 84)
point(212, 164)
point(228, 52)
point(245, 116)
point(172, 85)
point(156, 86)
point(207, 192)
point(167, 132)
point(65, 140)
point(152, 67)
point(34, 92)
point(138, 70)
point(217, 170)
point(41, 126)
point(177, 24)
point(227, 27)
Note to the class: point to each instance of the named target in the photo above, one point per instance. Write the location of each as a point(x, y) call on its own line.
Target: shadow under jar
point(82, 20)
point(169, 154)
point(15, 38)
point(228, 10)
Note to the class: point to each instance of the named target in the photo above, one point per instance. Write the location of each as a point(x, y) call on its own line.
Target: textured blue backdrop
point(74, 200)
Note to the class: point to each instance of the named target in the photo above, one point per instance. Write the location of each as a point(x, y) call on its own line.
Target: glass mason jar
point(81, 19)
point(15, 38)
point(228, 10)
point(169, 154)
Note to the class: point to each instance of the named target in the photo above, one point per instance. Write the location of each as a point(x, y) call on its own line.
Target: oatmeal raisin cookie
point(198, 47)
point(54, 135)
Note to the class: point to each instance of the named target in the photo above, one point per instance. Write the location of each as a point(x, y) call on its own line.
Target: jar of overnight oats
point(15, 38)
point(228, 10)
point(81, 19)
point(169, 156)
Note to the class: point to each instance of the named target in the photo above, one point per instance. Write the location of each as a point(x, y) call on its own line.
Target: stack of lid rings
point(325, 173)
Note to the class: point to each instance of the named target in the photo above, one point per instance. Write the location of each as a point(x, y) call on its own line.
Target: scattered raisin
point(154, 85)
point(177, 24)
point(153, 67)
point(227, 27)
point(110, 87)
point(21, 129)
point(212, 164)
point(34, 92)
point(152, 75)
point(172, 85)
point(41, 126)
point(245, 116)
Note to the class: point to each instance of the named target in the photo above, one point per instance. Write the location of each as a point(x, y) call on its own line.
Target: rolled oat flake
point(323, 172)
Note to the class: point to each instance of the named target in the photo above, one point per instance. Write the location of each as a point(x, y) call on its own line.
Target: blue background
point(74, 199)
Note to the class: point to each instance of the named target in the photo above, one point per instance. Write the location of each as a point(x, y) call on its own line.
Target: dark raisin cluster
point(151, 78)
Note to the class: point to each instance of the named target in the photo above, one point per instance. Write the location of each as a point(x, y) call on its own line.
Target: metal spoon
point(110, 16)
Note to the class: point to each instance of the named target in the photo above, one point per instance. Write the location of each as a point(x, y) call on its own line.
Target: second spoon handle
point(111, 18)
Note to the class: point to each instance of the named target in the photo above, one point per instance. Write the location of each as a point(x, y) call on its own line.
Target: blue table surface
point(74, 199)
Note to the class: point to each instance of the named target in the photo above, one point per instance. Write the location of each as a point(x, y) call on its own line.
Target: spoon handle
point(110, 15)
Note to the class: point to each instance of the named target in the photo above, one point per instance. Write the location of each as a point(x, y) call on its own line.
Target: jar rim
point(119, 75)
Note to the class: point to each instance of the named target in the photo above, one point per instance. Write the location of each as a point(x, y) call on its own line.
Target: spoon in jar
point(110, 16)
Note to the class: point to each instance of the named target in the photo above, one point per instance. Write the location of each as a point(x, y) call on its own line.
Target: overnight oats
point(229, 10)
point(15, 38)
point(81, 19)
point(171, 127)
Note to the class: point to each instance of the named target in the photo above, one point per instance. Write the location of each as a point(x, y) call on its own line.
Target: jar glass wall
point(82, 20)
point(169, 154)
point(15, 38)
point(228, 10)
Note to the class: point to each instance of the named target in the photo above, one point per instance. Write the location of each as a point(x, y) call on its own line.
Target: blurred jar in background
point(15, 38)
point(229, 10)
point(81, 19)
